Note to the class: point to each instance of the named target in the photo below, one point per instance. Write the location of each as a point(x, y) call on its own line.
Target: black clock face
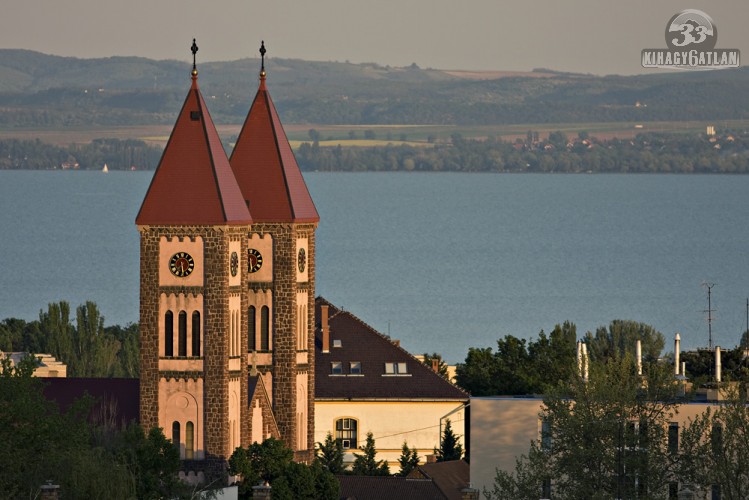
point(302, 260)
point(255, 260)
point(181, 264)
point(234, 266)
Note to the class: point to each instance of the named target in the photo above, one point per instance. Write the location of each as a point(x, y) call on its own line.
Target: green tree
point(520, 367)
point(153, 461)
point(744, 343)
point(621, 337)
point(330, 454)
point(272, 461)
point(56, 323)
point(450, 447)
point(366, 464)
point(408, 460)
point(553, 358)
point(266, 461)
point(43, 444)
point(602, 439)
point(714, 447)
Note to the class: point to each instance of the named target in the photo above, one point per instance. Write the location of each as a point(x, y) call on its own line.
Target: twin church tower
point(227, 286)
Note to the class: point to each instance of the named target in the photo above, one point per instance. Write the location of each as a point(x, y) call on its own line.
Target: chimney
point(49, 491)
point(397, 343)
point(717, 364)
point(431, 459)
point(638, 355)
point(585, 362)
point(469, 493)
point(325, 328)
point(677, 352)
point(436, 365)
point(684, 368)
point(262, 491)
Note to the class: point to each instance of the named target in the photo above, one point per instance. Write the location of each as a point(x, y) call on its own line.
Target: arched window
point(175, 434)
point(251, 328)
point(346, 431)
point(189, 441)
point(169, 334)
point(182, 346)
point(264, 329)
point(196, 334)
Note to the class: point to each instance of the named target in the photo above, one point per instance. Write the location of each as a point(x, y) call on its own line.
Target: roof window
point(396, 368)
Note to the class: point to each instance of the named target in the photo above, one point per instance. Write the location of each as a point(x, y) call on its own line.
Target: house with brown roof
point(365, 382)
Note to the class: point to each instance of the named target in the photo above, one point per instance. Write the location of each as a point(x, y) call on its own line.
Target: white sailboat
point(105, 169)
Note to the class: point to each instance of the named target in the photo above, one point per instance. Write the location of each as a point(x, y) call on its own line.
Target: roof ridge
point(390, 340)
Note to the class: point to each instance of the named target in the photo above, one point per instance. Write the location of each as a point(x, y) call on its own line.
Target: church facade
point(227, 289)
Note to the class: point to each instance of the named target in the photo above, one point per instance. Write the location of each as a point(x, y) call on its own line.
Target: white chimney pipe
point(677, 353)
point(325, 328)
point(585, 362)
point(684, 368)
point(638, 355)
point(717, 364)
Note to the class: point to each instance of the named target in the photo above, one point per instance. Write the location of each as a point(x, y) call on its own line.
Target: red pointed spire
point(265, 167)
point(194, 183)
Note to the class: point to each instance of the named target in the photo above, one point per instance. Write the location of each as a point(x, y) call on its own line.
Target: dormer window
point(396, 369)
point(355, 368)
point(336, 368)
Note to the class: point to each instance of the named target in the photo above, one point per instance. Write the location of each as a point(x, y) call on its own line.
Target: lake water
point(440, 261)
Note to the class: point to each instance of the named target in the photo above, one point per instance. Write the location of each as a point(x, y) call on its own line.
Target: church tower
point(193, 227)
point(280, 292)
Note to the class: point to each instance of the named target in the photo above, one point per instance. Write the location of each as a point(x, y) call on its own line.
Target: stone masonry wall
point(310, 230)
point(149, 324)
point(216, 358)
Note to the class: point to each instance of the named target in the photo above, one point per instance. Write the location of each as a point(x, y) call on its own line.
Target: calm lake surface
point(442, 262)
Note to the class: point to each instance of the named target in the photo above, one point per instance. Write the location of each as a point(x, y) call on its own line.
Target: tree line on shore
point(645, 153)
point(726, 152)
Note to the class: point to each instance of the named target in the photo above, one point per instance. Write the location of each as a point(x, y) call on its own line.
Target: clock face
point(181, 264)
point(234, 265)
point(255, 260)
point(302, 260)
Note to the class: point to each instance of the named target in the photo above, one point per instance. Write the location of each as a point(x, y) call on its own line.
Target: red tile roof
point(117, 398)
point(360, 342)
point(387, 487)
point(450, 477)
point(266, 169)
point(194, 183)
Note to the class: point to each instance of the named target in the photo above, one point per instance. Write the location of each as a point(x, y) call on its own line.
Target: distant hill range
point(44, 91)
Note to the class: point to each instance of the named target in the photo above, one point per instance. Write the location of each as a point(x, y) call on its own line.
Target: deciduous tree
point(601, 439)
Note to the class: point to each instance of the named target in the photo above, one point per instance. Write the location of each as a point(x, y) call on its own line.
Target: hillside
point(43, 91)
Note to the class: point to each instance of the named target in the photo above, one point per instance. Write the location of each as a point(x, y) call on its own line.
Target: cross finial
point(194, 50)
point(262, 57)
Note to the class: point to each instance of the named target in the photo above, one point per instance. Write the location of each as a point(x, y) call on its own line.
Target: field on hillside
point(375, 135)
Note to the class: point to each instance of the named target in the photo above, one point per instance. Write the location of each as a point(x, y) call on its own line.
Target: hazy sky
point(594, 36)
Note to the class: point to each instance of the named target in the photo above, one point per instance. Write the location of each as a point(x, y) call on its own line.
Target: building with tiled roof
point(388, 487)
point(365, 382)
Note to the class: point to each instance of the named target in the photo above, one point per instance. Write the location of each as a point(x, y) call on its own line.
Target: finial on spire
point(262, 58)
point(194, 50)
